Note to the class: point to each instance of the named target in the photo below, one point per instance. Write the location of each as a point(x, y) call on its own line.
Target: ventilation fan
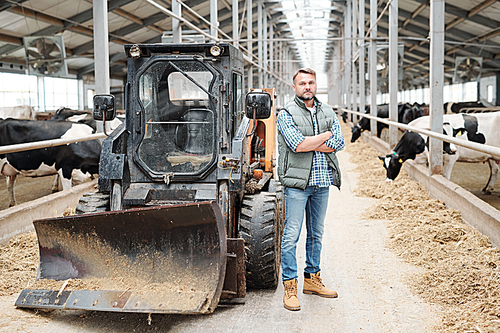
point(383, 84)
point(383, 66)
point(467, 69)
point(383, 61)
point(407, 81)
point(46, 55)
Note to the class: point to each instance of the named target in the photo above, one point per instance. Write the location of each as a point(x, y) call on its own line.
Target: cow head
point(409, 146)
point(392, 164)
point(450, 148)
point(356, 132)
point(344, 117)
point(362, 125)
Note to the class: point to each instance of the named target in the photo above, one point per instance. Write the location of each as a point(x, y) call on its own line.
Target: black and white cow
point(406, 113)
point(453, 107)
point(83, 117)
point(481, 128)
point(64, 159)
point(67, 114)
point(409, 147)
point(18, 112)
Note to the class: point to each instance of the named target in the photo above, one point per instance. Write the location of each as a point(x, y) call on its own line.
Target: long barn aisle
point(370, 279)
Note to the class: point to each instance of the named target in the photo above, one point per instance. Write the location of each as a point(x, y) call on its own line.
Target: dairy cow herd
point(71, 163)
point(482, 128)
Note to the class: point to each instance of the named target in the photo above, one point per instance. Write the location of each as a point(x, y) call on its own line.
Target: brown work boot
point(290, 300)
point(314, 285)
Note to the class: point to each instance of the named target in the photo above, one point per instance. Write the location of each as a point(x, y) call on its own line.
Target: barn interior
point(427, 54)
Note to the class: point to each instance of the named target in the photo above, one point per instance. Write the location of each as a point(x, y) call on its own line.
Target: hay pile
point(460, 267)
point(18, 263)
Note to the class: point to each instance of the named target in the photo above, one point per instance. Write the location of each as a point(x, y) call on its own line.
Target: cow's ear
point(381, 158)
point(459, 133)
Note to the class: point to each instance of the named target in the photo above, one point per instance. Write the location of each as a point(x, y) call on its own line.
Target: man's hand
point(315, 143)
point(325, 149)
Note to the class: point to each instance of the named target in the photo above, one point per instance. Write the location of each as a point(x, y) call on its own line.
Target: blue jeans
point(313, 201)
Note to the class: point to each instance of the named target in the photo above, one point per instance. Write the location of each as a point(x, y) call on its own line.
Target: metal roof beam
point(4, 5)
point(471, 15)
point(460, 34)
point(69, 23)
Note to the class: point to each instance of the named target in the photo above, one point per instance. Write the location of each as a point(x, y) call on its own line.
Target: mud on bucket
point(167, 259)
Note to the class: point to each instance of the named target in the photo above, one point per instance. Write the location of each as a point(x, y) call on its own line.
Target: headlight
point(135, 51)
point(215, 50)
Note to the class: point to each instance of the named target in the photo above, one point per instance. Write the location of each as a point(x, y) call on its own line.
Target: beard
point(306, 98)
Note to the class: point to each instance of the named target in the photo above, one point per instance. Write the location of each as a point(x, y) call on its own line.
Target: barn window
point(471, 91)
point(489, 93)
point(18, 89)
point(60, 92)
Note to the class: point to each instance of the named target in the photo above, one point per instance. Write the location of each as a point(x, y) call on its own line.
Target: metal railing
point(494, 151)
point(48, 143)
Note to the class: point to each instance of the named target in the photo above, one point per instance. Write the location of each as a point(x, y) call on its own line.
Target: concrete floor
point(369, 279)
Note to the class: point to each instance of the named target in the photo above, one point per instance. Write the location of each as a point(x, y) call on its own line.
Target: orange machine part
point(266, 131)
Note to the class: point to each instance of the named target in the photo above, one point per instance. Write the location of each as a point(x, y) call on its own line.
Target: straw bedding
point(18, 263)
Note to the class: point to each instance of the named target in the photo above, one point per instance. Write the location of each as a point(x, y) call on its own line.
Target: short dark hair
point(304, 70)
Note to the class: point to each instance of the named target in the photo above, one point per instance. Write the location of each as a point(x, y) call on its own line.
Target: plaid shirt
point(321, 173)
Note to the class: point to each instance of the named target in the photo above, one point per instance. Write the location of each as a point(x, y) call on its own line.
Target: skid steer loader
point(188, 210)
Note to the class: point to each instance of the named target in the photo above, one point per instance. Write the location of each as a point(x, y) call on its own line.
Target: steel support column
point(361, 43)
point(213, 18)
point(393, 71)
point(334, 79)
point(271, 54)
point(264, 49)
point(101, 50)
point(101, 46)
point(176, 24)
point(347, 54)
point(354, 43)
point(234, 8)
point(41, 94)
point(259, 42)
point(436, 81)
point(373, 65)
point(249, 44)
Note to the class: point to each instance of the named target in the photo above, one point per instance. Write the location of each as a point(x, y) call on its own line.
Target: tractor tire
point(260, 227)
point(93, 202)
point(276, 187)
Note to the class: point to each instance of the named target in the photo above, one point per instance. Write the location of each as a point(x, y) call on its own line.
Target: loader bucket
point(167, 259)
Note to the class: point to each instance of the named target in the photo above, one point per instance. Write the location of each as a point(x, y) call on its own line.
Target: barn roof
point(472, 29)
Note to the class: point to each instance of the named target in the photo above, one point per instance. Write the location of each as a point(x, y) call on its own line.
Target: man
point(309, 135)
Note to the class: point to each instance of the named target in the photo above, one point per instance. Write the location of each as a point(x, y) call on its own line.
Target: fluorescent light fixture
point(309, 23)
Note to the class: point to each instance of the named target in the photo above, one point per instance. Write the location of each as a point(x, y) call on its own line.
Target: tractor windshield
point(179, 122)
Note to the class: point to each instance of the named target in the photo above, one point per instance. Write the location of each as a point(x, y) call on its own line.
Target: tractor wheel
point(261, 229)
point(93, 202)
point(276, 187)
